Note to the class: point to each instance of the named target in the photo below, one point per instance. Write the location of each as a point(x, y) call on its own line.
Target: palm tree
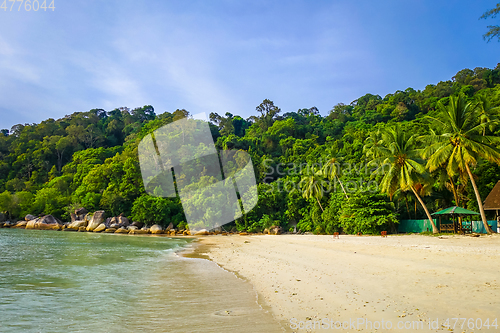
point(487, 113)
point(312, 187)
point(459, 143)
point(406, 171)
point(332, 170)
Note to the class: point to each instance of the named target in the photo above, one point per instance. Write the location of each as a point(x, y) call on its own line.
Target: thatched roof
point(492, 201)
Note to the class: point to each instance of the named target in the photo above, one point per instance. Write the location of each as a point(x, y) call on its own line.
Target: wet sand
point(368, 282)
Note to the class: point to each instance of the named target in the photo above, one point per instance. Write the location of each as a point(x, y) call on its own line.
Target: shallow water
point(85, 282)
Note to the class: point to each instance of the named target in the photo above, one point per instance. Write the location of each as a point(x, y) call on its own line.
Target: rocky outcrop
point(96, 220)
point(47, 222)
point(156, 229)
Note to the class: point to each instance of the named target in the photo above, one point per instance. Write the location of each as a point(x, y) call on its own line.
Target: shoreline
point(412, 279)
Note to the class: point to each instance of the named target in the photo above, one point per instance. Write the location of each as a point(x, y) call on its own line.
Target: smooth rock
point(138, 232)
point(132, 227)
point(137, 224)
point(29, 217)
point(201, 232)
point(82, 229)
point(31, 224)
point(21, 224)
point(110, 230)
point(81, 211)
point(77, 224)
point(156, 229)
point(170, 226)
point(100, 227)
point(96, 220)
point(49, 219)
point(123, 221)
point(122, 231)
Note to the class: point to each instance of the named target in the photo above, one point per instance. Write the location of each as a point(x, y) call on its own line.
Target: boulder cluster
point(82, 220)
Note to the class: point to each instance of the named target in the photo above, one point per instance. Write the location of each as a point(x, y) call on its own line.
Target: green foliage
point(155, 210)
point(368, 214)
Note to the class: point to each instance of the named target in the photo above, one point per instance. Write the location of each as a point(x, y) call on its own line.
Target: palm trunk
point(343, 189)
point(320, 205)
point(455, 194)
point(480, 204)
point(434, 228)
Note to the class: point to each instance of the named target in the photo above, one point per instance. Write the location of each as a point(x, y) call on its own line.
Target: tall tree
point(458, 142)
point(398, 150)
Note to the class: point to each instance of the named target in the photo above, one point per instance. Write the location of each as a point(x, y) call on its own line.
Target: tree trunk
point(480, 204)
point(343, 189)
point(434, 228)
point(455, 194)
point(320, 205)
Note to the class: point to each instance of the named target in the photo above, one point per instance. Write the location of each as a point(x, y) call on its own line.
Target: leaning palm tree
point(331, 170)
point(312, 187)
point(397, 150)
point(458, 142)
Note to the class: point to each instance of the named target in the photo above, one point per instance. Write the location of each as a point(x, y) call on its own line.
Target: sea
point(54, 281)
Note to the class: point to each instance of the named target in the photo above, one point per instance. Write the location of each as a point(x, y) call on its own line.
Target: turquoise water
point(54, 281)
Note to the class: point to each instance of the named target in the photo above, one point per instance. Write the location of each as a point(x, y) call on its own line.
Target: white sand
point(360, 278)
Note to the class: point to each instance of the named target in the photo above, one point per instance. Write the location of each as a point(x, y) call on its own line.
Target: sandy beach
point(400, 283)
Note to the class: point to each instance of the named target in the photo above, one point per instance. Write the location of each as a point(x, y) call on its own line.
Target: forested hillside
point(322, 174)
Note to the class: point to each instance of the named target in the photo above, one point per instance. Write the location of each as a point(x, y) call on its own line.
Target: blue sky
point(227, 56)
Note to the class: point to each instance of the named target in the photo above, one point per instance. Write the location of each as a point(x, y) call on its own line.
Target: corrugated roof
point(492, 201)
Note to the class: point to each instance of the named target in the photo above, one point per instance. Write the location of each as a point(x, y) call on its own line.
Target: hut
point(492, 202)
point(456, 226)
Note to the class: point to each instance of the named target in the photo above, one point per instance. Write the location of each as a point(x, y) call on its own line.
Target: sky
point(228, 56)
